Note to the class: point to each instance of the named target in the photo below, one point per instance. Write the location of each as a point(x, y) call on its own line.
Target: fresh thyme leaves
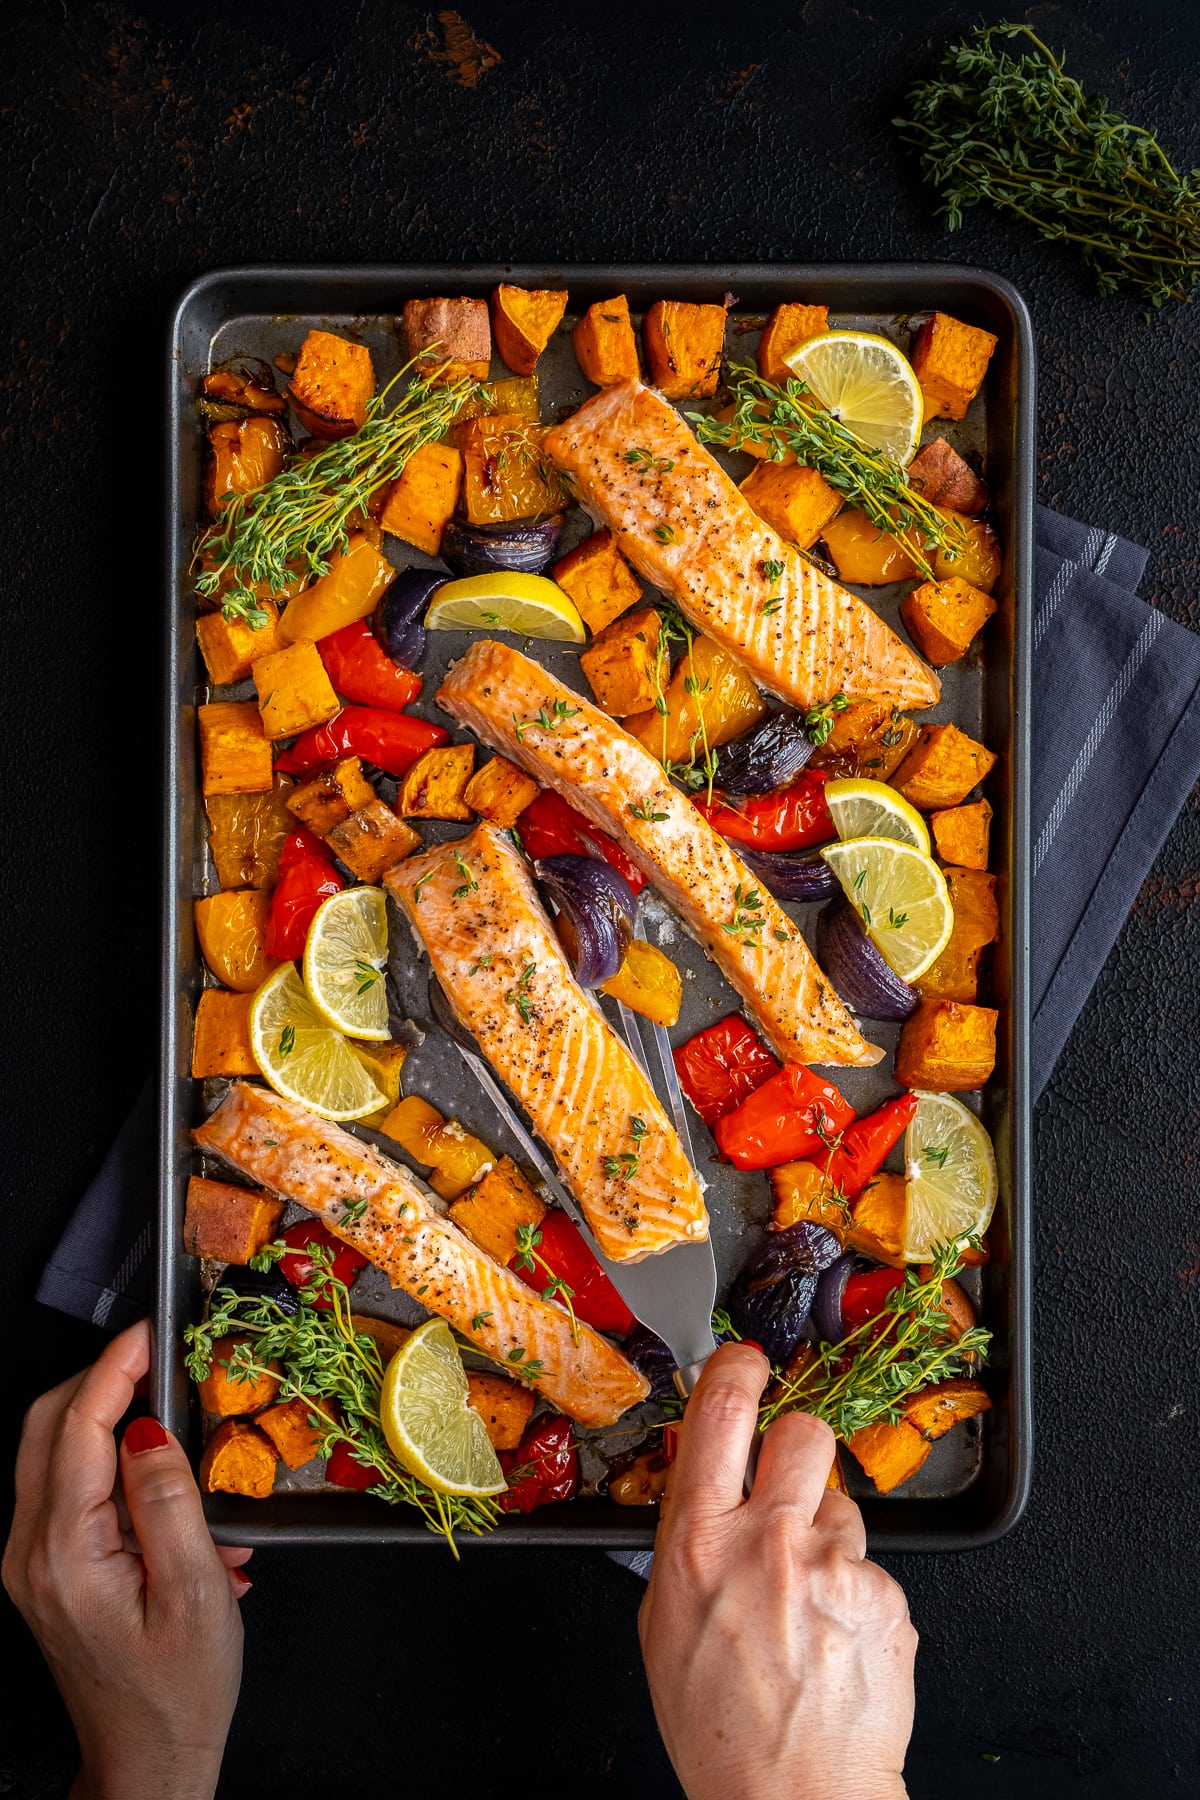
point(645, 459)
point(485, 962)
point(868, 1377)
point(895, 919)
point(641, 810)
point(528, 1238)
point(859, 879)
point(865, 910)
point(547, 720)
point(354, 1210)
point(287, 1040)
point(747, 922)
point(772, 570)
point(366, 975)
point(469, 883)
point(530, 1370)
point(624, 1166)
point(519, 996)
point(418, 885)
point(772, 605)
point(665, 534)
point(637, 1128)
point(293, 525)
point(936, 1153)
point(779, 934)
point(337, 1373)
point(779, 419)
point(1016, 129)
point(479, 1320)
point(723, 1326)
point(818, 720)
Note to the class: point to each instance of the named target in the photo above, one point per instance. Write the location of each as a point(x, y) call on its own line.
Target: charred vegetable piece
point(796, 818)
point(543, 1468)
point(871, 737)
point(450, 336)
point(238, 1459)
point(643, 1482)
point(527, 546)
point(683, 348)
point(827, 1301)
point(771, 756)
point(297, 1265)
point(433, 787)
point(945, 479)
point(246, 382)
point(372, 840)
point(791, 1115)
point(804, 877)
point(596, 903)
point(955, 974)
point(253, 1285)
point(243, 455)
point(942, 768)
point(397, 619)
point(864, 981)
point(246, 833)
point(550, 827)
point(500, 791)
point(331, 795)
point(710, 699)
point(773, 1296)
point(226, 1223)
point(505, 472)
point(651, 1357)
point(721, 1065)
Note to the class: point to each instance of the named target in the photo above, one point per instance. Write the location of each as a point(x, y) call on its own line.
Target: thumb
point(165, 1511)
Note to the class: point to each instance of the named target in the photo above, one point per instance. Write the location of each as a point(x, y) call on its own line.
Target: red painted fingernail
point(754, 1345)
point(144, 1434)
point(244, 1580)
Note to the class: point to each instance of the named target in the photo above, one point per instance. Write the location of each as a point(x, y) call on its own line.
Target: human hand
point(111, 1563)
point(780, 1662)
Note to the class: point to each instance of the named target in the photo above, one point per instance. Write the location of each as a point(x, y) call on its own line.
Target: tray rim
point(360, 1521)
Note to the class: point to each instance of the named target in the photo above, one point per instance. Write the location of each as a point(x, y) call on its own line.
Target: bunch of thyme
point(336, 1372)
point(778, 418)
point(294, 524)
point(1015, 129)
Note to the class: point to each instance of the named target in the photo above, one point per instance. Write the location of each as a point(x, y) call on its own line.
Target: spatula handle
point(685, 1381)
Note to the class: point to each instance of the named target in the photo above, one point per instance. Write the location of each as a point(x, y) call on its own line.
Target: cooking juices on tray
point(682, 772)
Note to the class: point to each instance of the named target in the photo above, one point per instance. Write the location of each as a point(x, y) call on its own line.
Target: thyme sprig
point(337, 1373)
point(778, 418)
point(1016, 129)
point(294, 524)
point(529, 1237)
point(748, 920)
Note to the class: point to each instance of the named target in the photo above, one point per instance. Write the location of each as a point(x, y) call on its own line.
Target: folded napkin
point(1116, 749)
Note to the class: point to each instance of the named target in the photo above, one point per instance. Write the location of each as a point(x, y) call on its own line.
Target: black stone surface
point(142, 144)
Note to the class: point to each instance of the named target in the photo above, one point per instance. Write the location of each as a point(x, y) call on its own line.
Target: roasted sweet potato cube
point(622, 664)
point(605, 345)
point(503, 1406)
point(388, 1335)
point(871, 738)
point(598, 579)
point(232, 928)
point(243, 454)
point(452, 336)
point(976, 557)
point(226, 1223)
point(294, 690)
point(795, 501)
point(433, 787)
point(943, 617)
point(946, 479)
point(333, 382)
point(386, 1063)
point(500, 792)
point(221, 1035)
point(947, 1047)
point(877, 1219)
point(371, 840)
point(238, 1459)
point(221, 1394)
point(288, 1428)
point(420, 502)
point(835, 1481)
point(936, 1409)
point(875, 1225)
point(955, 974)
point(961, 834)
point(505, 472)
point(950, 360)
point(683, 348)
point(942, 768)
point(523, 322)
point(235, 753)
point(490, 1212)
point(753, 446)
point(790, 324)
point(649, 982)
point(229, 646)
point(889, 1454)
point(331, 795)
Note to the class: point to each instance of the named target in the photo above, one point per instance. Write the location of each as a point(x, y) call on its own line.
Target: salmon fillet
point(473, 905)
point(502, 695)
point(376, 1205)
point(687, 529)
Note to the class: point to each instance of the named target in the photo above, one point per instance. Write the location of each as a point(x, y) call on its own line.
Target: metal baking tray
point(975, 1484)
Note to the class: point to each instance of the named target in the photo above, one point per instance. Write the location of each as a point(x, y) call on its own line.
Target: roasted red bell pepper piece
point(792, 819)
point(549, 827)
point(391, 741)
point(544, 1467)
point(561, 1248)
point(301, 887)
point(297, 1264)
point(791, 1115)
point(850, 1165)
point(865, 1296)
point(344, 1471)
point(298, 844)
point(721, 1065)
point(361, 670)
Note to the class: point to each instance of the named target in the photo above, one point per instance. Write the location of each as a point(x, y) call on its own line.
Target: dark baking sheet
point(975, 1483)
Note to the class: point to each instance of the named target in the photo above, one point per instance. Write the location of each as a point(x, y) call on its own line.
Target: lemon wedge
point(531, 605)
point(868, 384)
point(873, 809)
point(429, 1427)
point(344, 957)
point(901, 897)
point(950, 1173)
point(302, 1057)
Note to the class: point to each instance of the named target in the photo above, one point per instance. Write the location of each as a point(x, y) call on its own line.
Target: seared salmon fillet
point(687, 528)
point(503, 697)
point(377, 1206)
point(473, 906)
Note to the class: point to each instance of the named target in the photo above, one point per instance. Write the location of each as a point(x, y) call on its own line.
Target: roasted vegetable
point(976, 556)
point(889, 1454)
point(372, 840)
point(794, 500)
point(294, 691)
point(527, 546)
point(710, 699)
point(721, 1065)
point(942, 618)
point(543, 1468)
point(935, 1410)
point(555, 1253)
point(871, 738)
point(505, 472)
point(232, 928)
point(490, 1211)
point(386, 1333)
point(221, 1035)
point(961, 834)
point(514, 394)
point(873, 1224)
point(788, 325)
point(457, 1158)
point(523, 322)
point(288, 1428)
point(862, 977)
point(946, 479)
point(306, 877)
point(598, 579)
point(331, 795)
point(450, 338)
point(878, 1218)
point(230, 646)
point(773, 1295)
point(942, 768)
point(331, 385)
point(503, 1406)
point(791, 1115)
point(549, 826)
point(238, 1459)
point(390, 741)
point(864, 554)
point(769, 757)
point(648, 982)
point(419, 504)
point(795, 818)
point(623, 663)
point(500, 791)
point(243, 455)
point(386, 1065)
point(950, 360)
point(222, 1395)
point(297, 1265)
point(433, 787)
point(235, 753)
point(594, 908)
point(683, 348)
point(955, 974)
point(349, 590)
point(246, 833)
point(644, 1482)
point(246, 383)
point(947, 1047)
point(397, 619)
point(605, 345)
point(226, 1223)
point(804, 876)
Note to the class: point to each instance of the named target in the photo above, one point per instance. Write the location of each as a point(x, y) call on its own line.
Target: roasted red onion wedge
point(595, 907)
point(863, 980)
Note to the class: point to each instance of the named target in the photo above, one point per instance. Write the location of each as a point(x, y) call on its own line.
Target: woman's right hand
point(780, 1661)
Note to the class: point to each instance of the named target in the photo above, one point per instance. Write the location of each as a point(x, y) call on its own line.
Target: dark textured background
point(143, 144)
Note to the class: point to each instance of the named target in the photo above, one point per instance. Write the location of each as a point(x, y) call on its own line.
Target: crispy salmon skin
point(503, 696)
point(473, 905)
point(688, 529)
point(377, 1206)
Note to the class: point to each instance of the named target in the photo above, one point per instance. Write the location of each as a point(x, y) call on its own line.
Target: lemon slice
point(427, 1422)
point(873, 809)
point(901, 896)
point(868, 384)
point(531, 605)
point(950, 1170)
point(344, 957)
point(302, 1057)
